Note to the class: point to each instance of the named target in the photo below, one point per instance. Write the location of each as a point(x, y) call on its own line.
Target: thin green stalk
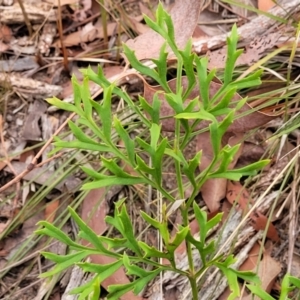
point(179, 75)
point(192, 277)
point(177, 163)
point(193, 284)
point(158, 265)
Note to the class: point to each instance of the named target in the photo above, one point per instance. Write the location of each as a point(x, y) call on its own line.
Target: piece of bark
point(38, 89)
point(249, 31)
point(37, 12)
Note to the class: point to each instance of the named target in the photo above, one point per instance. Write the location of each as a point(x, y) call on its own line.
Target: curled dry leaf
point(184, 14)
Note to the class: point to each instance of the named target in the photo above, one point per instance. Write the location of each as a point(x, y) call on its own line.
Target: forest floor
point(44, 43)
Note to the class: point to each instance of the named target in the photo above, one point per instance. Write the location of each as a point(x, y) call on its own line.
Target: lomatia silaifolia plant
point(218, 111)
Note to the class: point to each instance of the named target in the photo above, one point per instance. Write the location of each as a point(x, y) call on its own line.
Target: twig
point(60, 31)
point(49, 159)
point(32, 165)
point(26, 19)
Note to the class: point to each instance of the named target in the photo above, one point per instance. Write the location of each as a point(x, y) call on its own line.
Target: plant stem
point(185, 209)
point(192, 277)
point(193, 284)
point(177, 163)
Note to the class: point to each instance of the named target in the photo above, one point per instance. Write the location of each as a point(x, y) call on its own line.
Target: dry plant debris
point(38, 57)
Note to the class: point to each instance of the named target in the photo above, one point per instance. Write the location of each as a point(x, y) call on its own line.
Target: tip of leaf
point(41, 223)
point(49, 99)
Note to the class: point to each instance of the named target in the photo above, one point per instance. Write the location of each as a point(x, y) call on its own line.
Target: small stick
point(26, 19)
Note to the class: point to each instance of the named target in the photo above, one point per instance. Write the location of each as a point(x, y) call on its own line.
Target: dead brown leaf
point(214, 190)
point(265, 5)
point(260, 222)
point(5, 33)
point(137, 26)
point(236, 193)
point(268, 270)
point(50, 210)
point(88, 33)
point(184, 14)
point(251, 262)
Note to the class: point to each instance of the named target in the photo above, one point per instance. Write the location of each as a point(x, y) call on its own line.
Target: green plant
point(289, 283)
point(219, 111)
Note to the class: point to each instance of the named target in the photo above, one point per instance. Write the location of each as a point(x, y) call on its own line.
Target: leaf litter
point(83, 35)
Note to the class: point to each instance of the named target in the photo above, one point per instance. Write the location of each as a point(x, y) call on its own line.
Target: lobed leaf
point(103, 271)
